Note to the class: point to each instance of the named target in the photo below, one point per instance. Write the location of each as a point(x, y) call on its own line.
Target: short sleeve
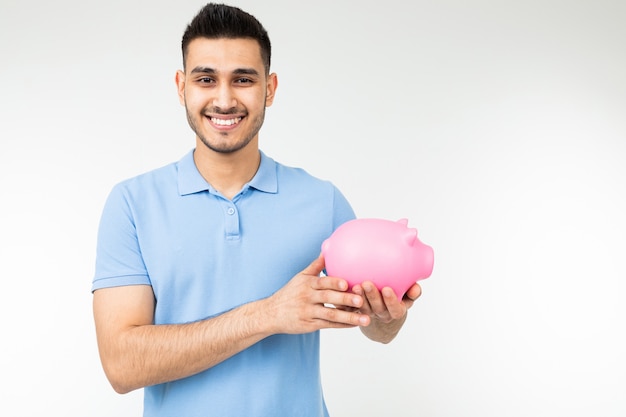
point(342, 210)
point(119, 260)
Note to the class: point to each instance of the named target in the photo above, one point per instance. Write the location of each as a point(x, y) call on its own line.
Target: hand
point(387, 313)
point(302, 305)
point(384, 305)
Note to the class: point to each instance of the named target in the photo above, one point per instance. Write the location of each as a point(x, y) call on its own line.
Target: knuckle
point(332, 314)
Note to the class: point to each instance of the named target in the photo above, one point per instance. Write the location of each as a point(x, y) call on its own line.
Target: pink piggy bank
point(384, 252)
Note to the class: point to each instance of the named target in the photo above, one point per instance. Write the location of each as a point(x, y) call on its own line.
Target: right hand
point(306, 303)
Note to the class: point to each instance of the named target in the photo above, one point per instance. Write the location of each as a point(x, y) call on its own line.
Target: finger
point(345, 300)
point(365, 308)
point(374, 298)
point(331, 283)
point(316, 267)
point(395, 308)
point(349, 309)
point(414, 292)
point(340, 318)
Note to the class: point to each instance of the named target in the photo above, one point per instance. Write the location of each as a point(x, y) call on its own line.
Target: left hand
point(387, 313)
point(383, 306)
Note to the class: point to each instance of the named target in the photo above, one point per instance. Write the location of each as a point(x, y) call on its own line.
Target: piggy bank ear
point(325, 245)
point(410, 236)
point(403, 222)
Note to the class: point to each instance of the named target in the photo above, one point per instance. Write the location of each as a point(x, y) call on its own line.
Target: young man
point(207, 289)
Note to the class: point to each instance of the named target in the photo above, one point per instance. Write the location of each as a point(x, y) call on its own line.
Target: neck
point(227, 172)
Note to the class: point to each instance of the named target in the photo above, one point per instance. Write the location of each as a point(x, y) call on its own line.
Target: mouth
point(223, 122)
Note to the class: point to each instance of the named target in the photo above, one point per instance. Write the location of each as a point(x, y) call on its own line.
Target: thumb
point(315, 267)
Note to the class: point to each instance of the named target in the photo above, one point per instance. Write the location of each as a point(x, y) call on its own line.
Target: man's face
point(225, 91)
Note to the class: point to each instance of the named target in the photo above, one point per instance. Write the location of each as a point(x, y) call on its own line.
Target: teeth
point(225, 122)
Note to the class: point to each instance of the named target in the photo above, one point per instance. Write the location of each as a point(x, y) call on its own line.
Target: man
point(207, 289)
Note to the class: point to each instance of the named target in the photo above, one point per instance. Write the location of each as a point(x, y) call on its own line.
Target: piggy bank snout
point(426, 261)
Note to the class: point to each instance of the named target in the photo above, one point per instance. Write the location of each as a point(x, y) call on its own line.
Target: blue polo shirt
point(204, 255)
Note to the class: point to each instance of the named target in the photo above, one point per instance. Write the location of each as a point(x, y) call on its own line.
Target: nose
point(224, 97)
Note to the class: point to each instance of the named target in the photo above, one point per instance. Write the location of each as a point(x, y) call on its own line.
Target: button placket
point(231, 221)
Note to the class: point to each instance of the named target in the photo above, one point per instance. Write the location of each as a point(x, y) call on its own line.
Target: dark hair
point(215, 21)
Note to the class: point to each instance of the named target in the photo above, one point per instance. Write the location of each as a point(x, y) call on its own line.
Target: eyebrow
point(238, 71)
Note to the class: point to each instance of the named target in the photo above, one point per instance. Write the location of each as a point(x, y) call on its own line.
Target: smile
point(225, 122)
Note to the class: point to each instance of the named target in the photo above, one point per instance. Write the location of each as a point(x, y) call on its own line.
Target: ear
point(180, 86)
point(272, 85)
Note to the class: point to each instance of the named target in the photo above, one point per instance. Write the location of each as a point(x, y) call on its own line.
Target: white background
point(497, 128)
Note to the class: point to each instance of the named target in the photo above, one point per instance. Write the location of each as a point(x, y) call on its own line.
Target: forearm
point(136, 353)
point(152, 354)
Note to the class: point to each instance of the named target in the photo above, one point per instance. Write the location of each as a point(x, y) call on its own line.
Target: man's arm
point(136, 353)
point(387, 313)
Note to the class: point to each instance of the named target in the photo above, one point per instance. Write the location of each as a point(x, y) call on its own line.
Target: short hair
point(215, 21)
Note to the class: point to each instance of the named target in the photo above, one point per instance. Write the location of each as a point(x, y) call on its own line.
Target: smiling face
point(225, 90)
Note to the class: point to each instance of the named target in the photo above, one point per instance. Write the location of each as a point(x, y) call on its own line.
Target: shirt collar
point(265, 178)
point(190, 180)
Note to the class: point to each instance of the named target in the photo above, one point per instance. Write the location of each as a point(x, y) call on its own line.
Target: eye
point(205, 80)
point(243, 81)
